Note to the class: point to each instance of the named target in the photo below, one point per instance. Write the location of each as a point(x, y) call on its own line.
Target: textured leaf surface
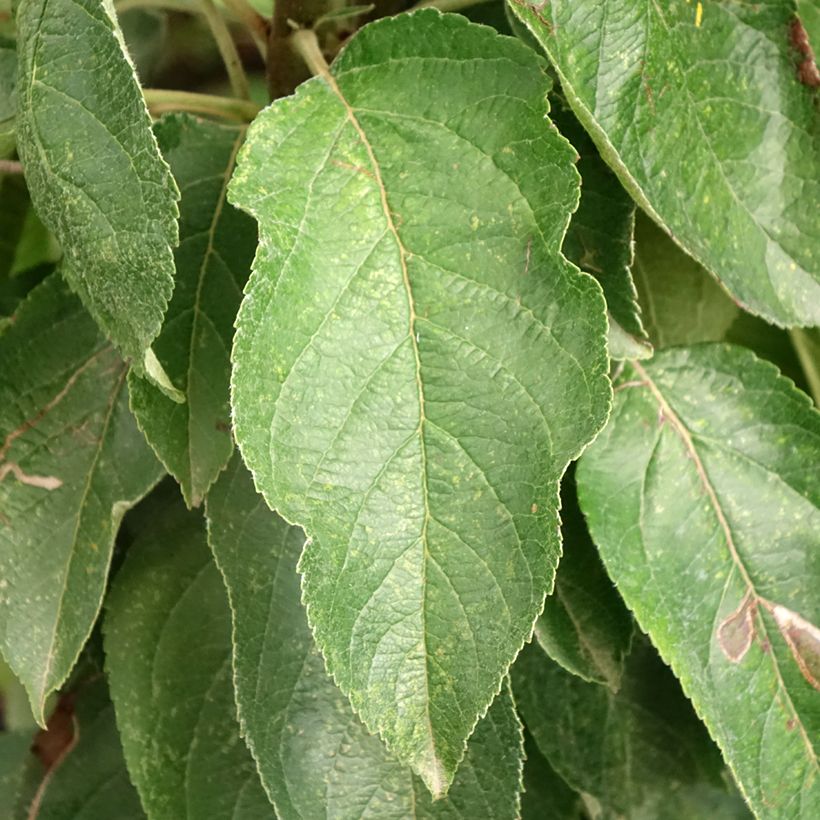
point(584, 626)
point(90, 780)
point(193, 438)
point(390, 387)
point(639, 753)
point(681, 303)
point(168, 648)
point(700, 110)
point(14, 753)
point(72, 461)
point(315, 757)
point(704, 506)
point(599, 241)
point(93, 167)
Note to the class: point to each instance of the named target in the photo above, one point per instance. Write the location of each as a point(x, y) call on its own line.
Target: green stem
point(306, 45)
point(160, 100)
point(227, 48)
point(809, 360)
point(447, 5)
point(257, 26)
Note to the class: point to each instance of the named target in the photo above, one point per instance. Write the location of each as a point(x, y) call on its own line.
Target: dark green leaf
point(217, 242)
point(315, 757)
point(72, 461)
point(546, 796)
point(703, 500)
point(585, 626)
point(599, 241)
point(640, 753)
point(168, 656)
point(14, 754)
point(93, 167)
point(700, 110)
point(88, 780)
point(391, 352)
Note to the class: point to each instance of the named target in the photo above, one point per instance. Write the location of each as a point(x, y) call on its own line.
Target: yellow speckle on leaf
point(698, 15)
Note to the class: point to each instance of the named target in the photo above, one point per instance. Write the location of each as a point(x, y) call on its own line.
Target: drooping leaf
point(87, 778)
point(168, 655)
point(681, 303)
point(193, 437)
point(72, 461)
point(599, 241)
point(702, 499)
point(416, 363)
point(700, 110)
point(546, 795)
point(314, 756)
point(8, 98)
point(640, 753)
point(93, 167)
point(584, 626)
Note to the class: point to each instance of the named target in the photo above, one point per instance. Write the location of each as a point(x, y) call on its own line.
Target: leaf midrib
point(436, 774)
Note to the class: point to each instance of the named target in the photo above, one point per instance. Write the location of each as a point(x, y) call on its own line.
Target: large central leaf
point(415, 364)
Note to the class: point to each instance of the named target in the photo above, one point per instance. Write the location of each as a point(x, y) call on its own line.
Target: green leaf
point(168, 655)
point(640, 753)
point(72, 462)
point(584, 626)
point(681, 303)
point(90, 780)
point(217, 242)
point(703, 503)
point(14, 753)
point(546, 795)
point(699, 109)
point(389, 387)
point(599, 241)
point(315, 757)
point(8, 96)
point(94, 171)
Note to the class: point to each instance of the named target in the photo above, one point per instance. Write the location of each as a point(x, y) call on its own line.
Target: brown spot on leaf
point(223, 426)
point(807, 71)
point(51, 743)
point(736, 632)
point(803, 639)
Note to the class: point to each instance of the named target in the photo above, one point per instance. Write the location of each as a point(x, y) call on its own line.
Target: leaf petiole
point(160, 100)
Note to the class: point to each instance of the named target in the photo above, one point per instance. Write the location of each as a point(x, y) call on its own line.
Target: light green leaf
point(599, 241)
point(640, 753)
point(702, 497)
point(8, 96)
point(546, 796)
point(168, 656)
point(193, 437)
point(72, 461)
point(584, 626)
point(315, 757)
point(90, 780)
point(93, 167)
point(415, 364)
point(699, 109)
point(681, 303)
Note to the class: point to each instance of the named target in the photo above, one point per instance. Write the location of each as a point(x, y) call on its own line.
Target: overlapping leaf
point(193, 437)
point(168, 657)
point(71, 463)
point(640, 753)
point(93, 167)
point(700, 110)
point(599, 241)
point(584, 626)
point(702, 496)
point(81, 773)
point(415, 363)
point(315, 757)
